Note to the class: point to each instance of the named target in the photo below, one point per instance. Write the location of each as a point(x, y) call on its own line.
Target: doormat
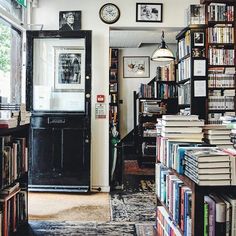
point(132, 168)
point(133, 207)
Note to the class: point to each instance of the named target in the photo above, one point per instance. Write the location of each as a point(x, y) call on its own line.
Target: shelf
point(17, 129)
point(182, 106)
point(181, 34)
point(184, 58)
point(182, 81)
point(221, 65)
point(220, 110)
point(222, 45)
point(212, 88)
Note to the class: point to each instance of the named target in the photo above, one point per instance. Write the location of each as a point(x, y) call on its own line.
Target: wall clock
point(109, 13)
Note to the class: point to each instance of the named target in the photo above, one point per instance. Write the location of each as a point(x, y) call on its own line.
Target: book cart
point(220, 50)
point(14, 179)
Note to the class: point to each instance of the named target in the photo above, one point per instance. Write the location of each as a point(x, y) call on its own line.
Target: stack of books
point(208, 166)
point(218, 135)
point(182, 127)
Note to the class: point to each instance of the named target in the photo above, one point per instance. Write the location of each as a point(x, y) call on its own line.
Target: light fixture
point(162, 54)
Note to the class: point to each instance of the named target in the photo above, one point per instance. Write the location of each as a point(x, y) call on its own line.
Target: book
point(211, 215)
point(197, 137)
point(216, 137)
point(231, 198)
point(183, 123)
point(190, 167)
point(219, 141)
point(205, 220)
point(180, 117)
point(208, 155)
point(217, 131)
point(168, 129)
point(220, 220)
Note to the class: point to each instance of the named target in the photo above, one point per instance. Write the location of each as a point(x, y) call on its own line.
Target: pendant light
point(162, 54)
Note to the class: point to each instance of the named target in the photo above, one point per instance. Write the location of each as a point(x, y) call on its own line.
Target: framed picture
point(149, 12)
point(198, 39)
point(136, 67)
point(69, 69)
point(199, 67)
point(69, 20)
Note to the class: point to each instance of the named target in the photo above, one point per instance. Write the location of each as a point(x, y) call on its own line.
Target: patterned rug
point(132, 168)
point(133, 207)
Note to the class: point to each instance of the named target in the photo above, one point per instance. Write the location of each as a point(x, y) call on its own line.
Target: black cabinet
point(60, 129)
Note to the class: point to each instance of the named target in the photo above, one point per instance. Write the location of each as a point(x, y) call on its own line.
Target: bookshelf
point(169, 187)
point(192, 71)
point(154, 99)
point(14, 179)
point(220, 50)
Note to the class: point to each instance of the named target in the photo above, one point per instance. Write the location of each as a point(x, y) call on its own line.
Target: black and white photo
point(198, 39)
point(69, 20)
point(68, 69)
point(149, 12)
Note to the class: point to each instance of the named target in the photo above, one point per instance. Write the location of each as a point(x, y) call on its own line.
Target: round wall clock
point(109, 13)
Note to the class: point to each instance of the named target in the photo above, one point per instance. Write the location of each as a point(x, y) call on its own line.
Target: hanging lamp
point(163, 53)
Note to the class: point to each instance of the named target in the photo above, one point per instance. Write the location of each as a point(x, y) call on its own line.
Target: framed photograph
point(198, 39)
point(136, 67)
point(149, 12)
point(69, 20)
point(69, 69)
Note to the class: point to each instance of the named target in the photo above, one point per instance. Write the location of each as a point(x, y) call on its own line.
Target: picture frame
point(69, 69)
point(69, 20)
point(198, 39)
point(136, 66)
point(199, 67)
point(149, 12)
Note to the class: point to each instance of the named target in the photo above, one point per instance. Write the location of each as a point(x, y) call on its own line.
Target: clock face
point(109, 13)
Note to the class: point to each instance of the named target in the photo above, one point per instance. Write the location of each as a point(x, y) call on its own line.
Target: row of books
point(221, 102)
point(164, 225)
point(220, 12)
point(184, 45)
point(113, 98)
point(13, 210)
point(195, 14)
point(221, 81)
point(223, 34)
point(184, 69)
point(221, 56)
point(113, 87)
point(146, 91)
point(164, 91)
point(13, 159)
point(220, 214)
point(175, 195)
point(152, 107)
point(183, 93)
point(113, 115)
point(166, 72)
point(214, 118)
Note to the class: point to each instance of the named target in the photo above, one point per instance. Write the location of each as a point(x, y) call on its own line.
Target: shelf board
point(221, 65)
point(183, 58)
point(221, 88)
point(183, 81)
point(220, 110)
point(189, 27)
point(19, 128)
point(222, 45)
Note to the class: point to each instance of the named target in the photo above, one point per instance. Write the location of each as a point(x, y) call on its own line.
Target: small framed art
point(149, 12)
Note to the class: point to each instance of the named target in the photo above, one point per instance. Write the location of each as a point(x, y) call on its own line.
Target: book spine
point(206, 216)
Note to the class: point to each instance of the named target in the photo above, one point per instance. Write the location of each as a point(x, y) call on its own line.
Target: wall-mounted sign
point(100, 111)
point(22, 2)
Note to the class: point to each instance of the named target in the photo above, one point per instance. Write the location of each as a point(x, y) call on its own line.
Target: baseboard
point(104, 189)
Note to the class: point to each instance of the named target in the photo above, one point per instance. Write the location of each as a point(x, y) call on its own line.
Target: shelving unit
point(220, 50)
point(156, 98)
point(192, 71)
point(14, 181)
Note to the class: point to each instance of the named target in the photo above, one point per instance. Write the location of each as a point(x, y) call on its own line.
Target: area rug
point(133, 207)
point(145, 229)
point(132, 168)
point(73, 228)
point(69, 207)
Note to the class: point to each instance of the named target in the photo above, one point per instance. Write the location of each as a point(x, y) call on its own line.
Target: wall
point(47, 14)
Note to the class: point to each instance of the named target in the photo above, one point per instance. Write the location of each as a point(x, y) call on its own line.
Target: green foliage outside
point(5, 47)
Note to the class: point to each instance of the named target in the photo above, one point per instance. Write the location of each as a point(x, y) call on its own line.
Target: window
point(10, 63)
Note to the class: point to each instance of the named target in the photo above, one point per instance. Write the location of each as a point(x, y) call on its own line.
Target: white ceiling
point(138, 37)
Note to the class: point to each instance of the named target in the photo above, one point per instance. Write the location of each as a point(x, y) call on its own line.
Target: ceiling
point(139, 37)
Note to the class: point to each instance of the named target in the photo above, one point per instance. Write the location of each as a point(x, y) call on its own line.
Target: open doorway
point(134, 43)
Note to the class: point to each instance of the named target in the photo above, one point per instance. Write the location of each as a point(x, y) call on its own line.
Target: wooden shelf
point(17, 129)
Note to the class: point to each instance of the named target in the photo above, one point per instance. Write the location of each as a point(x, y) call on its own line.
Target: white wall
point(47, 14)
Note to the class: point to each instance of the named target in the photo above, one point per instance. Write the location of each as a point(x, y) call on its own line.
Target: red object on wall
point(100, 98)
